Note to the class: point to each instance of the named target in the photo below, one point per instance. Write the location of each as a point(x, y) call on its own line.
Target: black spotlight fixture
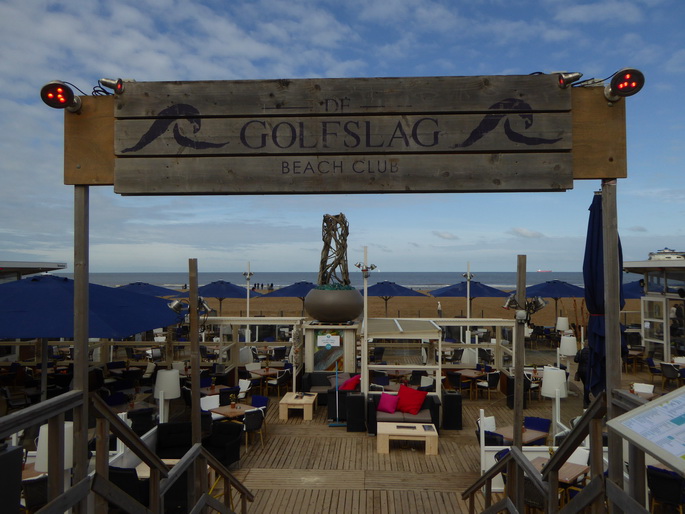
point(116, 85)
point(625, 82)
point(566, 78)
point(59, 95)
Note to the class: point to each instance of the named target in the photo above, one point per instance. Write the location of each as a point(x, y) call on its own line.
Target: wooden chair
point(253, 422)
point(491, 383)
point(665, 488)
point(669, 373)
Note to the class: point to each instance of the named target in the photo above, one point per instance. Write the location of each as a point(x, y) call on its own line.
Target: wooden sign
point(380, 135)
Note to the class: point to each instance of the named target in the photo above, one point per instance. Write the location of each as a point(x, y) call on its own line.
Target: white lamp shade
point(42, 451)
point(568, 345)
point(562, 324)
point(169, 381)
point(553, 379)
point(470, 356)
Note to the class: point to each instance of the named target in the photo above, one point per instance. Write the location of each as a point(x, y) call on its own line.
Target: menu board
point(658, 428)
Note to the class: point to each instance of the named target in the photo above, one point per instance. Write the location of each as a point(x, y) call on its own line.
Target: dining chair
point(669, 373)
point(653, 370)
point(491, 383)
point(530, 386)
point(35, 493)
point(127, 480)
point(253, 422)
point(281, 380)
point(245, 386)
point(666, 488)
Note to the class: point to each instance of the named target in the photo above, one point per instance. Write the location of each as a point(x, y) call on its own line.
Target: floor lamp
point(167, 387)
point(43, 451)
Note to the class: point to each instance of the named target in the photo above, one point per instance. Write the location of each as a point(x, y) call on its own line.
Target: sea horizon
point(426, 280)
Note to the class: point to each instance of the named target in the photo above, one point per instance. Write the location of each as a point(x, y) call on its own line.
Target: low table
point(291, 401)
point(406, 432)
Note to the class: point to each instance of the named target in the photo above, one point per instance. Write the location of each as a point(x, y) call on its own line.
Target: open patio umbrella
point(220, 289)
point(633, 290)
point(296, 290)
point(555, 289)
point(460, 290)
point(387, 290)
point(149, 289)
point(593, 275)
point(43, 307)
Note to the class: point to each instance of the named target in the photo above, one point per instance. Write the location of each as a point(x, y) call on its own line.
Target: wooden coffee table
point(291, 401)
point(406, 432)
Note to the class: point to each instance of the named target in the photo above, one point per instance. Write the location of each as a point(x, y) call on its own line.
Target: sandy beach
point(418, 307)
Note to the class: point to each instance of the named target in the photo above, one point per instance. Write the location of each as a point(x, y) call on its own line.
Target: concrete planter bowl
point(334, 305)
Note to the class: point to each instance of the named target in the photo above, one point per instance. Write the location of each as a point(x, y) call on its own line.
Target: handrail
point(127, 435)
point(543, 481)
point(39, 413)
point(597, 410)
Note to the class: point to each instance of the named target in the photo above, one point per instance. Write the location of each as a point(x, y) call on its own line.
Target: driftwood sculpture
point(334, 300)
point(333, 268)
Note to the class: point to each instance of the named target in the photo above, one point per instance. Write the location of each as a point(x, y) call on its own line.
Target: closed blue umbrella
point(593, 276)
point(43, 307)
point(387, 290)
point(149, 289)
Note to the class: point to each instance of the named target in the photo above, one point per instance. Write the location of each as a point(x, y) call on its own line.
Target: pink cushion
point(388, 403)
point(410, 400)
point(351, 383)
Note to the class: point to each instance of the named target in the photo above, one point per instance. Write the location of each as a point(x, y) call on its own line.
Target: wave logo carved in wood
point(172, 115)
point(490, 122)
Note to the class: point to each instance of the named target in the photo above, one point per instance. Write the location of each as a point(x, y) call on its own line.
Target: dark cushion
point(173, 439)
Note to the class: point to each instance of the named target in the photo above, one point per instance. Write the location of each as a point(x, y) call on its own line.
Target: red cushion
point(351, 383)
point(388, 403)
point(410, 400)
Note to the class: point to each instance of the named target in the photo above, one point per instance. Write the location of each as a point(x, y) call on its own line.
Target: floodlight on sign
point(625, 82)
point(59, 95)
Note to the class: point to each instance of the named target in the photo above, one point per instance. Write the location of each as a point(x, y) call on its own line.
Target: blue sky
point(157, 40)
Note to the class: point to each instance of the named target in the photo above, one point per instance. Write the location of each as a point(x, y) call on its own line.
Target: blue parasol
point(633, 290)
point(387, 290)
point(296, 290)
point(477, 290)
point(43, 307)
point(593, 275)
point(149, 289)
point(220, 289)
point(555, 289)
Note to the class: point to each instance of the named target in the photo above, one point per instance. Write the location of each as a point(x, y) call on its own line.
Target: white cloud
point(613, 12)
point(445, 235)
point(525, 233)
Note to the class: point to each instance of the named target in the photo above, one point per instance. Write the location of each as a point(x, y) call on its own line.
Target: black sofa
point(318, 382)
point(429, 413)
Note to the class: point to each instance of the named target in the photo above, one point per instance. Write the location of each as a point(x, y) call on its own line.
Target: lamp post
point(248, 274)
point(365, 268)
point(468, 276)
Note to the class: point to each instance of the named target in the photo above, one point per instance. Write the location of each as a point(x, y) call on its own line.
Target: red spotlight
point(625, 82)
point(59, 95)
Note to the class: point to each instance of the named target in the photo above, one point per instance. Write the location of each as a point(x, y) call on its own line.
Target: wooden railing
point(592, 496)
point(197, 459)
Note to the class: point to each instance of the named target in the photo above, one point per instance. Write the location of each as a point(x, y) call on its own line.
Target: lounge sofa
point(429, 413)
point(321, 382)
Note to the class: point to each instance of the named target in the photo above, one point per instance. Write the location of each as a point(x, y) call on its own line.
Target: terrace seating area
point(345, 465)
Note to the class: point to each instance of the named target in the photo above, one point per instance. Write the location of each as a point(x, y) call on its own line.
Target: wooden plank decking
point(309, 467)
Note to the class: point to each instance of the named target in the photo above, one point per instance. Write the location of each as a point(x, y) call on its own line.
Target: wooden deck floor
point(309, 467)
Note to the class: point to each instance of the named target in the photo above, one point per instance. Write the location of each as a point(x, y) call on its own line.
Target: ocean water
point(428, 280)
